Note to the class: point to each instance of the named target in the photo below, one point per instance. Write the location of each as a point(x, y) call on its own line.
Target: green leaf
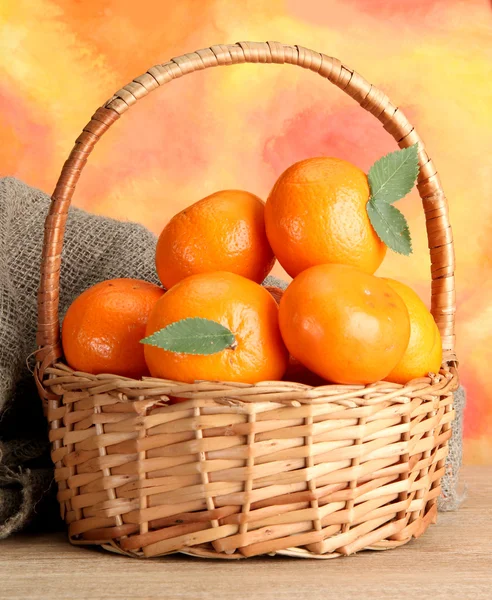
point(192, 336)
point(394, 175)
point(390, 225)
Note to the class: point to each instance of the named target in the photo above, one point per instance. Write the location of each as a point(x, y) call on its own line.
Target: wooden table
point(452, 560)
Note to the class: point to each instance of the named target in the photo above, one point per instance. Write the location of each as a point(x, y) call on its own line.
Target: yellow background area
point(240, 127)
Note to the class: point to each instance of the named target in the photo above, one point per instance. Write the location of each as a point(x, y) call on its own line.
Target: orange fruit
point(424, 351)
point(343, 324)
point(222, 232)
point(103, 327)
point(298, 373)
point(316, 214)
point(239, 304)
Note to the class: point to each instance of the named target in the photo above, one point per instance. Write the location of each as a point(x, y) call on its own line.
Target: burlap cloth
point(95, 248)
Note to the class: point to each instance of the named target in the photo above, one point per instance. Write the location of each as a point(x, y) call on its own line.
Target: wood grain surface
point(452, 560)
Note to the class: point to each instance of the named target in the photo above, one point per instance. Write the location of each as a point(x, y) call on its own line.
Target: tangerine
point(241, 305)
point(298, 373)
point(316, 214)
point(343, 324)
point(222, 232)
point(424, 351)
point(103, 327)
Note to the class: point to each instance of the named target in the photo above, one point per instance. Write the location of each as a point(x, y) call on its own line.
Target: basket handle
point(369, 97)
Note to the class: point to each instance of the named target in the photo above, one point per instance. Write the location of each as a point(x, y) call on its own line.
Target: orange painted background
point(240, 127)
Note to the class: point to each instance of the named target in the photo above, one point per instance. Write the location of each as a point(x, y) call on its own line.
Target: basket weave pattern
point(237, 469)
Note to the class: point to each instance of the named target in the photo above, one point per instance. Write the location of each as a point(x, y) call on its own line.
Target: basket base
point(209, 554)
point(419, 528)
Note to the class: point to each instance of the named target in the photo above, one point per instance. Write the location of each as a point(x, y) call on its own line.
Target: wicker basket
point(240, 470)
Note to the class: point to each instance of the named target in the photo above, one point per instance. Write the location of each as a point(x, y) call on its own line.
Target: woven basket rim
point(281, 391)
